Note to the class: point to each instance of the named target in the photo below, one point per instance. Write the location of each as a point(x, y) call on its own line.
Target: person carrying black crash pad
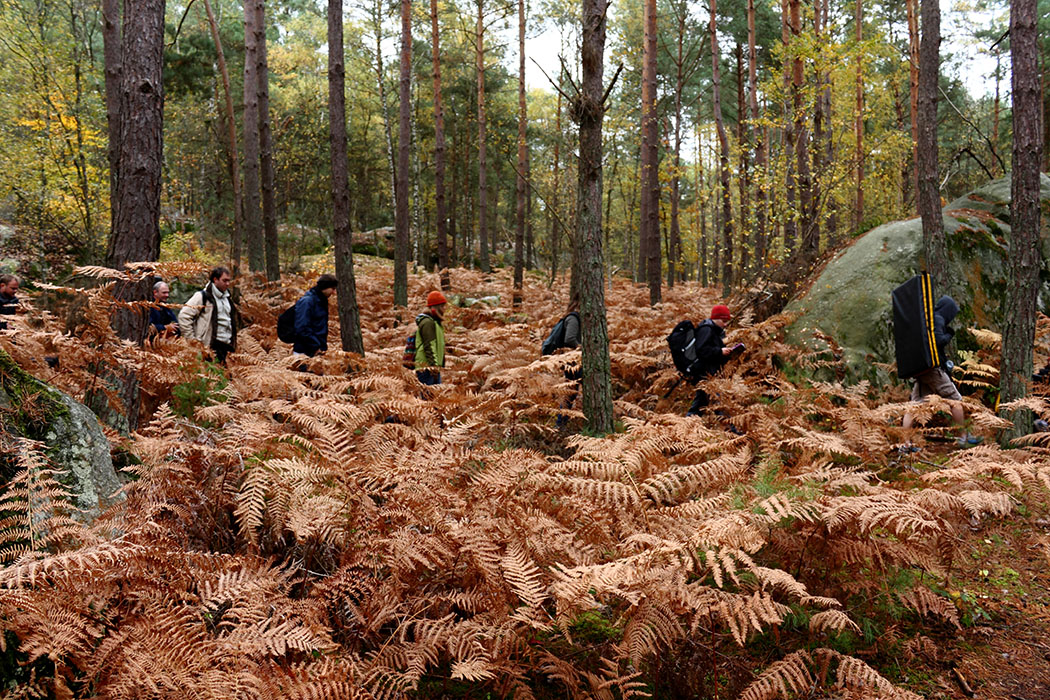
point(711, 353)
point(311, 317)
point(936, 380)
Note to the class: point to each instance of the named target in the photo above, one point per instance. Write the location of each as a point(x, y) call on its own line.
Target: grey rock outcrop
point(73, 438)
point(850, 300)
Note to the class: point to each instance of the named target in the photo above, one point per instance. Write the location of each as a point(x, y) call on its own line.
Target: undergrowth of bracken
point(344, 532)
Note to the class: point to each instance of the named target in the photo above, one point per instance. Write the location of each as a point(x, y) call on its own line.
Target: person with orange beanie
point(430, 340)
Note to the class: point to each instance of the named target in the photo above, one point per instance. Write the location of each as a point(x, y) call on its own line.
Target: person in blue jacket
point(162, 319)
point(311, 317)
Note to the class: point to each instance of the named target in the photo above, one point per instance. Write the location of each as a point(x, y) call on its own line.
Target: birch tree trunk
point(723, 157)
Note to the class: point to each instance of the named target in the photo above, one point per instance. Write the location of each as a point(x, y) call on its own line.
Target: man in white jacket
point(211, 317)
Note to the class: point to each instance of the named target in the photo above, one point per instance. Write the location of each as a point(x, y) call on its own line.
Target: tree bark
point(439, 152)
point(806, 232)
point(483, 190)
point(651, 157)
point(252, 214)
point(723, 157)
point(588, 112)
point(346, 292)
point(675, 256)
point(112, 52)
point(530, 241)
point(790, 230)
point(404, 144)
point(523, 116)
point(760, 143)
point(135, 235)
point(935, 249)
point(377, 26)
point(1019, 312)
point(231, 140)
point(912, 7)
point(556, 197)
point(743, 182)
point(269, 207)
point(858, 119)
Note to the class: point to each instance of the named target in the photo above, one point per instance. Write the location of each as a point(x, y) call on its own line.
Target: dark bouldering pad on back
point(913, 327)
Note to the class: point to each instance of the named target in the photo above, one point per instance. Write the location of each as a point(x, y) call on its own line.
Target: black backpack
point(556, 340)
point(286, 325)
point(683, 345)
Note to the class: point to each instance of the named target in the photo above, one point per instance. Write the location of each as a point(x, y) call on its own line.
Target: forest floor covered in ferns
point(344, 532)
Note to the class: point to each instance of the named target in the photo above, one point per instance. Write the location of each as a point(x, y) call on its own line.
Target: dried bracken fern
point(344, 532)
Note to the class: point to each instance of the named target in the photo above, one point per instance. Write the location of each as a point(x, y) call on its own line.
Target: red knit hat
point(436, 297)
point(721, 311)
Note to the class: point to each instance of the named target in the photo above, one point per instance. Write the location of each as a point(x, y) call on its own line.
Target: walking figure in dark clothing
point(311, 317)
point(711, 353)
point(8, 299)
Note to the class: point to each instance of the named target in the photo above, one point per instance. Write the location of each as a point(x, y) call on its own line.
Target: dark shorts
point(934, 381)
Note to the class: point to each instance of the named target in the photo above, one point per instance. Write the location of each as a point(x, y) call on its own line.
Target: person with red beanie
point(711, 352)
point(430, 340)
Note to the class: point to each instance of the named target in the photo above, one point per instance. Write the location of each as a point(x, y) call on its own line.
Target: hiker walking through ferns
point(430, 340)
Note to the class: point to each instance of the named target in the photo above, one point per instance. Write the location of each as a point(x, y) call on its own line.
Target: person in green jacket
point(430, 340)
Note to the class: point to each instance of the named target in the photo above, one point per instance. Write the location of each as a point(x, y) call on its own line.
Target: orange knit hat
point(435, 298)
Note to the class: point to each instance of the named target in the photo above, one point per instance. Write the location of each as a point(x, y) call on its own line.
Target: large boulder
point(850, 300)
point(73, 438)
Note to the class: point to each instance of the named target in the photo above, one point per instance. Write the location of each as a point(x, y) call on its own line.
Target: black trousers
point(221, 350)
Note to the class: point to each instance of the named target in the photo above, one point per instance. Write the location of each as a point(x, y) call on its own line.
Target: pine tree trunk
point(858, 120)
point(483, 190)
point(589, 112)
point(530, 241)
point(519, 237)
point(556, 232)
point(112, 56)
point(935, 250)
point(912, 8)
point(790, 230)
point(650, 157)
point(136, 232)
point(269, 207)
point(232, 163)
point(404, 145)
point(346, 292)
point(675, 257)
point(744, 175)
point(817, 150)
point(439, 151)
point(1022, 292)
point(253, 230)
point(723, 157)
